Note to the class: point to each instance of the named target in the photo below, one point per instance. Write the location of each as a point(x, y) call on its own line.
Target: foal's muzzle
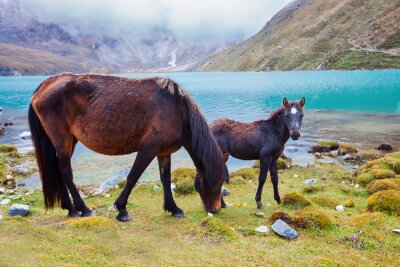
point(295, 135)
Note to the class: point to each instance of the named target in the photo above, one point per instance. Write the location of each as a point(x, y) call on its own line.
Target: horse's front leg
point(264, 166)
point(274, 179)
point(164, 164)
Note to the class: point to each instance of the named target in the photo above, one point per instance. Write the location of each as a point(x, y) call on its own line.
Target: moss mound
point(282, 164)
point(246, 173)
point(389, 162)
point(8, 148)
point(3, 171)
point(387, 201)
point(217, 228)
point(374, 219)
point(280, 215)
point(237, 180)
point(295, 200)
point(309, 189)
point(91, 222)
point(347, 149)
point(325, 146)
point(364, 178)
point(184, 187)
point(311, 218)
point(382, 173)
point(326, 202)
point(384, 184)
point(183, 174)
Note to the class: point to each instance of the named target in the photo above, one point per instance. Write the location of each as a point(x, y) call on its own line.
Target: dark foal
point(114, 116)
point(264, 140)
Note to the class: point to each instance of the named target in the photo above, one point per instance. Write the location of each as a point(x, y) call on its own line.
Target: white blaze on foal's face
point(293, 110)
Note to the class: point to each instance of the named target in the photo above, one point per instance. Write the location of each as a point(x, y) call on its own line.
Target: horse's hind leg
point(164, 164)
point(143, 159)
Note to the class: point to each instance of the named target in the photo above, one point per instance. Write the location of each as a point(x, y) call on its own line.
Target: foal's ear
point(285, 102)
point(225, 157)
point(303, 101)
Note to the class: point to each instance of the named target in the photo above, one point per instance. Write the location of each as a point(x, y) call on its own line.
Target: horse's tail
point(46, 157)
point(203, 144)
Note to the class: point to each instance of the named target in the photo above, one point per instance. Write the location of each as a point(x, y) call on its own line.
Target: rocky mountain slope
point(320, 34)
point(29, 46)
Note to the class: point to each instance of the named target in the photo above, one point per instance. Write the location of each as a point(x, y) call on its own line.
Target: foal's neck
point(280, 123)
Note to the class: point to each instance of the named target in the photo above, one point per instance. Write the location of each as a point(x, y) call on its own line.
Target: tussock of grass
point(387, 201)
point(217, 228)
point(309, 189)
point(384, 184)
point(326, 202)
point(280, 215)
point(347, 149)
point(246, 173)
point(183, 174)
point(8, 148)
point(311, 218)
point(295, 200)
point(185, 187)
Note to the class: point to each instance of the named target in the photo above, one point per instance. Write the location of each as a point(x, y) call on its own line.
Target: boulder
point(18, 210)
point(283, 229)
point(385, 147)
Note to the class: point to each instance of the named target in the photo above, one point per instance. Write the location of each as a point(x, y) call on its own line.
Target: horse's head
point(294, 116)
point(211, 195)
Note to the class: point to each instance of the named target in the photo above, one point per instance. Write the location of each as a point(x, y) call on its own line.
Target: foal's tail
point(46, 159)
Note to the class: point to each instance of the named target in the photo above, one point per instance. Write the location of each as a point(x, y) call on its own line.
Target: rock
point(340, 208)
point(334, 153)
point(25, 135)
point(18, 210)
point(283, 229)
point(106, 195)
point(260, 214)
point(345, 157)
point(385, 147)
point(2, 190)
point(82, 195)
point(295, 176)
point(357, 186)
point(155, 187)
point(210, 214)
point(1, 217)
point(112, 208)
point(225, 191)
point(8, 124)
point(310, 181)
point(2, 130)
point(291, 149)
point(396, 231)
point(5, 202)
point(21, 170)
point(262, 229)
point(317, 155)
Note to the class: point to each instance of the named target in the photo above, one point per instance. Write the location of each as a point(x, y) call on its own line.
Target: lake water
point(361, 107)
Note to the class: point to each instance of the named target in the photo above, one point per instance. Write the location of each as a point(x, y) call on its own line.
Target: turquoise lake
point(361, 107)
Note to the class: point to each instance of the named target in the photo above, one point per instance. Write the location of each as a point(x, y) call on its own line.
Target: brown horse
point(116, 116)
point(263, 140)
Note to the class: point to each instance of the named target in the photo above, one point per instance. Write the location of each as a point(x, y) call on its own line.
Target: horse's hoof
point(223, 205)
point(178, 213)
point(88, 213)
point(74, 213)
point(124, 217)
point(278, 201)
point(259, 205)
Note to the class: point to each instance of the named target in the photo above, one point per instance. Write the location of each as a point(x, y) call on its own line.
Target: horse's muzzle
point(295, 135)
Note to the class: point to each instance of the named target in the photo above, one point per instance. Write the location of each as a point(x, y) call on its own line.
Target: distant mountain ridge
point(320, 34)
point(30, 47)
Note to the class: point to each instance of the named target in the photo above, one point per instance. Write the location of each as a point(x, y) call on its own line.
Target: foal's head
point(294, 116)
point(211, 195)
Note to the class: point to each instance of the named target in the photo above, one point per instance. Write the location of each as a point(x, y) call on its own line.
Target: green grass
point(358, 59)
point(155, 238)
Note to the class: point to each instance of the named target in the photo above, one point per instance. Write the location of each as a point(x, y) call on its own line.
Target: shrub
point(184, 187)
point(183, 174)
point(246, 173)
point(295, 200)
point(312, 189)
point(386, 201)
point(384, 184)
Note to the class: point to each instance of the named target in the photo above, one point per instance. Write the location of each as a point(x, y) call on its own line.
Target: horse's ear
point(225, 157)
point(303, 101)
point(285, 102)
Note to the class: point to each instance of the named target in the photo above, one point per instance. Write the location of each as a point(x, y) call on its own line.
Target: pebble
point(25, 135)
point(262, 229)
point(155, 187)
point(310, 181)
point(1, 217)
point(111, 208)
point(2, 190)
point(225, 191)
point(5, 202)
point(260, 214)
point(106, 195)
point(173, 185)
point(396, 231)
point(18, 210)
point(283, 229)
point(210, 214)
point(345, 157)
point(291, 149)
point(340, 208)
point(295, 176)
point(357, 186)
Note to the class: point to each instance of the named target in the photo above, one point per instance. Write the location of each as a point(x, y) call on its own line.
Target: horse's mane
point(202, 143)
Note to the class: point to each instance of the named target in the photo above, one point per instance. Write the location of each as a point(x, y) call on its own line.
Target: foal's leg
point(274, 179)
point(164, 164)
point(264, 166)
point(143, 159)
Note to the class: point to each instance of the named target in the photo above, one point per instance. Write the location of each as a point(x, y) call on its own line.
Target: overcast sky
point(189, 20)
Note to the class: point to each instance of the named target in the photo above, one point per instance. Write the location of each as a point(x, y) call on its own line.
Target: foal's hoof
point(88, 213)
point(124, 217)
point(259, 205)
point(74, 213)
point(278, 201)
point(178, 213)
point(223, 205)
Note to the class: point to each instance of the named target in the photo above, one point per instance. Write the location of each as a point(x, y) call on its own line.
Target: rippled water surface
point(361, 107)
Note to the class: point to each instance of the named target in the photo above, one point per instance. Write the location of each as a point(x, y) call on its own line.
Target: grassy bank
point(156, 238)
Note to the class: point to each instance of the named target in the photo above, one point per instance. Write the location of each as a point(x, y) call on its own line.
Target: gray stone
point(262, 229)
point(18, 210)
point(2, 190)
point(340, 208)
point(396, 231)
point(310, 181)
point(1, 217)
point(21, 170)
point(291, 149)
point(155, 187)
point(225, 191)
point(5, 202)
point(260, 214)
point(283, 229)
point(345, 157)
